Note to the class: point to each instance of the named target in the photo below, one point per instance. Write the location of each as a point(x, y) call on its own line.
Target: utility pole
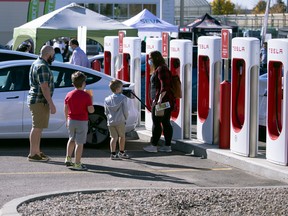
point(161, 9)
point(266, 17)
point(182, 13)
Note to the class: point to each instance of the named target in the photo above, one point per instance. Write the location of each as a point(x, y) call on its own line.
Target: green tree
point(279, 7)
point(220, 7)
point(260, 8)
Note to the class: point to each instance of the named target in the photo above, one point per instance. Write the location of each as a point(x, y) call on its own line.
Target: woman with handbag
point(160, 92)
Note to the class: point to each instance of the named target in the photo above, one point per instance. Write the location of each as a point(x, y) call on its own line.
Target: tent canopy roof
point(146, 21)
point(64, 22)
point(71, 16)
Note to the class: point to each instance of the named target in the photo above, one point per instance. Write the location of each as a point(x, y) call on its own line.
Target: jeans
point(158, 123)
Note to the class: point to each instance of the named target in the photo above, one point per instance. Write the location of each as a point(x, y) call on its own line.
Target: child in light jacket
point(116, 111)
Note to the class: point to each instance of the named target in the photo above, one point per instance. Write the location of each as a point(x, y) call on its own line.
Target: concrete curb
point(257, 166)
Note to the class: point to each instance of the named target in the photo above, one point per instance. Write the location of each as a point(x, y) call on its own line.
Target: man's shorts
point(78, 131)
point(117, 131)
point(40, 115)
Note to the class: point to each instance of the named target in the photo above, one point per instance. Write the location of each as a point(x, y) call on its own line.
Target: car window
point(62, 77)
point(10, 56)
point(14, 78)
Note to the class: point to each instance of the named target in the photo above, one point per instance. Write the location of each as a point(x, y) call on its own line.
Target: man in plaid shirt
point(40, 101)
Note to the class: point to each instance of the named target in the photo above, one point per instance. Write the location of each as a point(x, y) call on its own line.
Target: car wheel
point(98, 132)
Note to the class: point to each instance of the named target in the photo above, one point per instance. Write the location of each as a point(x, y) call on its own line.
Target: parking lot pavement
point(20, 178)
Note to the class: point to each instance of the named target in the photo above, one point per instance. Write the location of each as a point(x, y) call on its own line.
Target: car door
point(63, 84)
point(13, 82)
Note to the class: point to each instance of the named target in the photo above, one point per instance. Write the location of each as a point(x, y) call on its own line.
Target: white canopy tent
point(150, 25)
point(64, 22)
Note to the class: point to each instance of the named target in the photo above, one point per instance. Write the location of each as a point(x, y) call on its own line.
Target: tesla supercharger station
point(131, 64)
point(152, 44)
point(209, 73)
point(276, 123)
point(182, 52)
point(244, 96)
point(111, 49)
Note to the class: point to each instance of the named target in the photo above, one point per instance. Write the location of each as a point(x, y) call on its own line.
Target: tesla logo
point(275, 51)
point(150, 46)
point(203, 46)
point(175, 49)
point(224, 35)
point(238, 49)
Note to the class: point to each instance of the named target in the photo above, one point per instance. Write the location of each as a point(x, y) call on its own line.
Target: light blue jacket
point(116, 109)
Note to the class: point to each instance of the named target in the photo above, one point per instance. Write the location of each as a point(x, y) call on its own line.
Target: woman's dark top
point(160, 81)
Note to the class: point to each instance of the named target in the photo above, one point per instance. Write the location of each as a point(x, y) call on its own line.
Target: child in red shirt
point(77, 105)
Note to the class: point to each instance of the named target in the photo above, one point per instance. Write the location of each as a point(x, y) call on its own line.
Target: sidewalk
point(256, 166)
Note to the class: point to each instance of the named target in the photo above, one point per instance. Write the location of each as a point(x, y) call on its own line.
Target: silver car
point(15, 117)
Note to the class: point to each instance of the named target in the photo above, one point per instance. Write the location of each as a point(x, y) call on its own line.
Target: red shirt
point(77, 102)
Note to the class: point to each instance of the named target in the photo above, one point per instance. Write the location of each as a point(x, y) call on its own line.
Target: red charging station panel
point(238, 94)
point(175, 70)
point(275, 95)
point(203, 87)
point(107, 63)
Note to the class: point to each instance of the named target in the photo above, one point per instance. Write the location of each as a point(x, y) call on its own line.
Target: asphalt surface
point(21, 178)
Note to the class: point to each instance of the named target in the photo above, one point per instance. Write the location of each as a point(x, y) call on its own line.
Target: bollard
point(225, 100)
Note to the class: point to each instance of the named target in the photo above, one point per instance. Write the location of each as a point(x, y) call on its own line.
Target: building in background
point(191, 9)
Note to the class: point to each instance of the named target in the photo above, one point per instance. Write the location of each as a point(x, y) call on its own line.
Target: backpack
point(176, 86)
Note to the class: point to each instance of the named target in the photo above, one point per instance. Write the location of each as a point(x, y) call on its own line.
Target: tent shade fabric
point(207, 22)
point(147, 22)
point(64, 22)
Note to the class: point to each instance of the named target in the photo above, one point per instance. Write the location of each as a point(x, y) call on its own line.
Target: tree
point(239, 10)
point(220, 7)
point(260, 8)
point(279, 7)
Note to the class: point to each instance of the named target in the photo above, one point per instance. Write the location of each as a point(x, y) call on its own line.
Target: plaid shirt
point(39, 73)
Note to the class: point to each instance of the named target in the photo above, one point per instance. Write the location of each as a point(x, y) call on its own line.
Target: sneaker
point(79, 167)
point(68, 161)
point(44, 156)
point(123, 155)
point(150, 148)
point(165, 149)
point(37, 158)
point(115, 157)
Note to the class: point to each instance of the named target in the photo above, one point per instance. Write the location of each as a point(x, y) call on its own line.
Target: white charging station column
point(132, 63)
point(111, 48)
point(244, 96)
point(277, 107)
point(209, 73)
point(182, 50)
point(152, 44)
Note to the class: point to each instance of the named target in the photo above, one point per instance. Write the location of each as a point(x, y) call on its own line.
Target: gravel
point(176, 202)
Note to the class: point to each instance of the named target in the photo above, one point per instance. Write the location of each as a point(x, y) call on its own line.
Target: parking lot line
point(107, 171)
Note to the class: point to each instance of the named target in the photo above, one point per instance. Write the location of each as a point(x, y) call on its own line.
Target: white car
point(15, 117)
point(263, 99)
point(263, 86)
